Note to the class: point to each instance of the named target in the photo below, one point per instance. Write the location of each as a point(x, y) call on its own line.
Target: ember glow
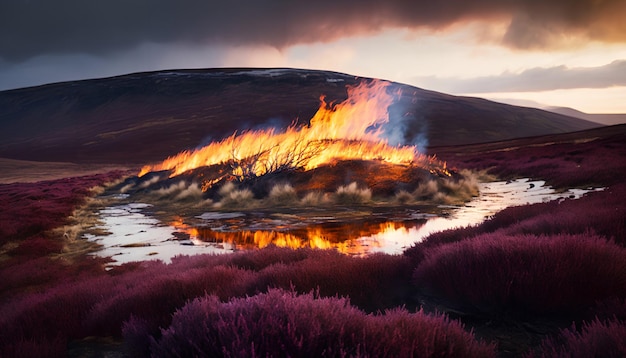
point(338, 131)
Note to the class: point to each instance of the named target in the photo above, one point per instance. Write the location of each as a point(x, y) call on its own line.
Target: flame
point(348, 130)
point(349, 238)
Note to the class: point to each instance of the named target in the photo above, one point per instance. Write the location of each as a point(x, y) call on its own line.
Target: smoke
point(406, 126)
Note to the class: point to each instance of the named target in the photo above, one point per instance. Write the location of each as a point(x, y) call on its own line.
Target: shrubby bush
point(233, 198)
point(282, 323)
point(72, 305)
point(524, 274)
point(598, 338)
point(282, 195)
point(351, 194)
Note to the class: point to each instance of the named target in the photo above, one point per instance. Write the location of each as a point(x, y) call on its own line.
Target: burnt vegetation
point(540, 280)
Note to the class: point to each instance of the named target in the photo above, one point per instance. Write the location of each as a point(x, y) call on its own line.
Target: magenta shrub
point(563, 165)
point(372, 283)
point(37, 246)
point(43, 347)
point(599, 338)
point(281, 323)
point(524, 274)
point(97, 303)
point(30, 208)
point(154, 297)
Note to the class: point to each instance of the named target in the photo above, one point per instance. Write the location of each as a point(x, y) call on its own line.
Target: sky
point(569, 53)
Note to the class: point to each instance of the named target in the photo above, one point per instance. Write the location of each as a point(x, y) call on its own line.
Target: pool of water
point(134, 235)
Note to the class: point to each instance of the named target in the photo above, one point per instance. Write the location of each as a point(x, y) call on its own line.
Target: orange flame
point(343, 239)
point(344, 131)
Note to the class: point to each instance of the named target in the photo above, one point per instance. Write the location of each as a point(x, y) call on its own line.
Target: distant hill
point(145, 117)
point(607, 119)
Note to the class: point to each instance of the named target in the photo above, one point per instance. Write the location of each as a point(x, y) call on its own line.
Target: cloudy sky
point(556, 52)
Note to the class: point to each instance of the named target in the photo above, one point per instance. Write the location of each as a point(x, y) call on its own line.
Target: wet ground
point(135, 234)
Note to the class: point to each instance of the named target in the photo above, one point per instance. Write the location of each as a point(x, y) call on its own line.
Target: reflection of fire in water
point(343, 237)
point(344, 131)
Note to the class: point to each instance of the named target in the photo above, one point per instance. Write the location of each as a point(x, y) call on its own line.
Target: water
point(135, 236)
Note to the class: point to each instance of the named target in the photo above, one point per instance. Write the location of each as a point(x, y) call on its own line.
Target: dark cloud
point(535, 79)
point(30, 28)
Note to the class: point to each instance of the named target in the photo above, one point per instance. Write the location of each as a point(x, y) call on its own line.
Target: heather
point(281, 323)
point(524, 275)
point(100, 302)
point(545, 279)
point(598, 338)
point(31, 208)
point(571, 160)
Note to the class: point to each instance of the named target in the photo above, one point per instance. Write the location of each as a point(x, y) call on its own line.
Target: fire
point(345, 239)
point(344, 131)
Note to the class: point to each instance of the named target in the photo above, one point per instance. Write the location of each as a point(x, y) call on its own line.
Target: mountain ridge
point(143, 117)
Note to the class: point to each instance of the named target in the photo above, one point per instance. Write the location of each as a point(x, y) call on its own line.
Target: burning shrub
point(524, 274)
point(282, 195)
point(596, 339)
point(281, 323)
point(351, 194)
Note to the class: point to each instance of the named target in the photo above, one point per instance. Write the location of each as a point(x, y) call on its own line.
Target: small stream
point(133, 235)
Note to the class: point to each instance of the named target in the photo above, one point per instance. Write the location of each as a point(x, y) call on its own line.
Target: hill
point(143, 117)
point(602, 118)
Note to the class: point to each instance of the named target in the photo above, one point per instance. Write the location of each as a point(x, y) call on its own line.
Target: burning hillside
point(346, 131)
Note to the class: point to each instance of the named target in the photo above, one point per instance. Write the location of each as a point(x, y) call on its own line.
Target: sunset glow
point(443, 47)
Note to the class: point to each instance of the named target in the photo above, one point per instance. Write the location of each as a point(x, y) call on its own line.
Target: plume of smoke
point(406, 125)
point(352, 194)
